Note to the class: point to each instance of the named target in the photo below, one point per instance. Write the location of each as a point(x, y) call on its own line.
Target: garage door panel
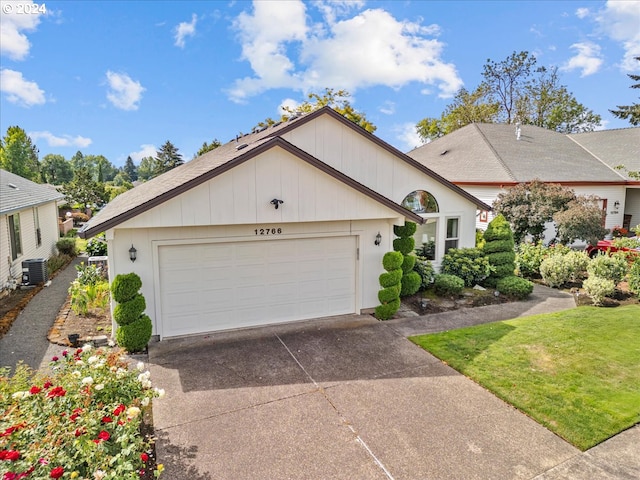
point(208, 287)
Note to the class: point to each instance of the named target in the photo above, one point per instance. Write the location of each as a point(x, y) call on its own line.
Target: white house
point(287, 223)
point(485, 159)
point(28, 224)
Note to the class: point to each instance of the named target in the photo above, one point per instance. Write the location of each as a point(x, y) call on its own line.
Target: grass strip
point(576, 372)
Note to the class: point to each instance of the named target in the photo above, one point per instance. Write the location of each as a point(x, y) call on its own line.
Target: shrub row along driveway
point(341, 398)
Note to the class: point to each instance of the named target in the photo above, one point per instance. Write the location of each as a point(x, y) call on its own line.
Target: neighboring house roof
point(18, 193)
point(615, 148)
point(191, 174)
point(491, 154)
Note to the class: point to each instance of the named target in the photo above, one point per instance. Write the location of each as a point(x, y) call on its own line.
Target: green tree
point(130, 169)
point(506, 81)
point(528, 206)
point(167, 158)
point(145, 169)
point(19, 155)
point(207, 147)
point(84, 190)
point(467, 107)
point(500, 251)
point(548, 104)
point(630, 112)
point(55, 169)
point(582, 220)
point(338, 100)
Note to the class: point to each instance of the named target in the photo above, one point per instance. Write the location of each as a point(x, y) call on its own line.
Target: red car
point(607, 246)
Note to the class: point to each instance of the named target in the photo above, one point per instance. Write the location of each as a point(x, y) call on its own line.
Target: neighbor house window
point(14, 234)
point(36, 225)
point(452, 234)
point(420, 201)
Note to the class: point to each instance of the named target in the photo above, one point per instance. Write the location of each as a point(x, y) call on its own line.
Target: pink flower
point(56, 472)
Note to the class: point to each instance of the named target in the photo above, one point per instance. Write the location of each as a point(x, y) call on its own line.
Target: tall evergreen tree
point(167, 158)
point(630, 112)
point(130, 169)
point(207, 147)
point(83, 189)
point(19, 155)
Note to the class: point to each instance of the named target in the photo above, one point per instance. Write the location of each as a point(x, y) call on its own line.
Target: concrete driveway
point(339, 398)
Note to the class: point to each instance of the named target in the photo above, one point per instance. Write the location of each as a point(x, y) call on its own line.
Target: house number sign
point(268, 231)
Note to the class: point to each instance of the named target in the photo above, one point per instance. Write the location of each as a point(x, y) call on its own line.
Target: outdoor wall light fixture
point(276, 203)
point(378, 239)
point(133, 253)
point(616, 204)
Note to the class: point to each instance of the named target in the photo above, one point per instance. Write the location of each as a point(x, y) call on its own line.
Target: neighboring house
point(28, 224)
point(486, 159)
point(290, 222)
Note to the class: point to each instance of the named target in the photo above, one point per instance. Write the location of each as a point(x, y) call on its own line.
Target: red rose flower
point(34, 390)
point(144, 457)
point(47, 384)
point(56, 392)
point(55, 359)
point(65, 353)
point(11, 455)
point(119, 409)
point(79, 432)
point(104, 436)
point(56, 472)
point(106, 420)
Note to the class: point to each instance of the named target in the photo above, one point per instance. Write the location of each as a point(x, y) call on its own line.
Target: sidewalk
point(26, 340)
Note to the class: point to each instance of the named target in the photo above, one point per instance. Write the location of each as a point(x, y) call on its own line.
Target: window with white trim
point(14, 235)
point(451, 240)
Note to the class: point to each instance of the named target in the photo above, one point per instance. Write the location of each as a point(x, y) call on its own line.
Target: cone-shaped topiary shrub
point(389, 296)
point(405, 244)
point(134, 327)
point(500, 250)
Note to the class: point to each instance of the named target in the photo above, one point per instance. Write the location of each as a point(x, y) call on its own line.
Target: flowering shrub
point(82, 421)
point(612, 267)
point(559, 268)
point(529, 256)
point(619, 231)
point(598, 288)
point(469, 264)
point(634, 277)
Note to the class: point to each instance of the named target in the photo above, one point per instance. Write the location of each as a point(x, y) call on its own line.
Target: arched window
point(420, 201)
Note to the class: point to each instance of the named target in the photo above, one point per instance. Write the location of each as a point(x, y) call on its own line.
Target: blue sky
point(119, 78)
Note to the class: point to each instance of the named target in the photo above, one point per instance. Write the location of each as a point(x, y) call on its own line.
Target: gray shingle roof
point(18, 193)
point(186, 176)
point(491, 153)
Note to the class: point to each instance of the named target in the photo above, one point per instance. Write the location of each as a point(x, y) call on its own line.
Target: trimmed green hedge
point(389, 279)
point(392, 261)
point(388, 310)
point(515, 287)
point(404, 245)
point(125, 286)
point(448, 285)
point(410, 283)
point(408, 263)
point(388, 294)
point(135, 336)
point(129, 311)
point(406, 230)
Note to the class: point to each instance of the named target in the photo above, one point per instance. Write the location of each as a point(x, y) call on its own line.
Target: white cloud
point(63, 141)
point(20, 91)
point(588, 59)
point(287, 103)
point(146, 150)
point(185, 29)
point(371, 48)
point(582, 13)
point(408, 135)
point(332, 9)
point(13, 23)
point(388, 108)
point(620, 21)
point(124, 92)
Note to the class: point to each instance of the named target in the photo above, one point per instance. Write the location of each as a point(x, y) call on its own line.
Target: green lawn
point(576, 372)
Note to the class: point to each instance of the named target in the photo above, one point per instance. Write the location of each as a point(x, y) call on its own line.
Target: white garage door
point(217, 286)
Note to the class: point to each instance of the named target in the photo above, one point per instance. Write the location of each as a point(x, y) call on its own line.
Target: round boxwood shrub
point(411, 283)
point(515, 287)
point(388, 294)
point(392, 261)
point(408, 263)
point(125, 286)
point(406, 230)
point(404, 245)
point(388, 310)
point(448, 285)
point(135, 336)
point(129, 311)
point(389, 279)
